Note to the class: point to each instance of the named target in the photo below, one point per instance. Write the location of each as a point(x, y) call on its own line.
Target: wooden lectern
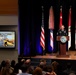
point(62, 45)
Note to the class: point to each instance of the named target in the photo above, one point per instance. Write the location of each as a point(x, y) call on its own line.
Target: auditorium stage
point(72, 56)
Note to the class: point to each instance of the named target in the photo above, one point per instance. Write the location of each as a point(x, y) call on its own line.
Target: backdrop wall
point(30, 17)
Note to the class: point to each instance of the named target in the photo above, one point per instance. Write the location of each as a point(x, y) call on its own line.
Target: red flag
point(60, 17)
point(51, 26)
point(69, 28)
point(42, 37)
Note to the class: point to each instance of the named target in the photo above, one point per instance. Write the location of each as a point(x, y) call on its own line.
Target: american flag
point(42, 37)
point(69, 29)
point(51, 26)
point(60, 17)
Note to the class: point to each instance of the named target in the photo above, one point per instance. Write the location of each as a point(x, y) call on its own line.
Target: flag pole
point(42, 38)
point(60, 17)
point(44, 52)
point(69, 29)
point(51, 28)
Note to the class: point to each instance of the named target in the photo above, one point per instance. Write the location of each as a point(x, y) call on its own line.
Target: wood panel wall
point(8, 7)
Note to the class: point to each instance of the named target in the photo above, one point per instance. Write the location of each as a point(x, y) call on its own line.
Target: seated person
point(62, 31)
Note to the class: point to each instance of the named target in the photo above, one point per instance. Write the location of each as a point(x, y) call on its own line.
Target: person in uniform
point(62, 31)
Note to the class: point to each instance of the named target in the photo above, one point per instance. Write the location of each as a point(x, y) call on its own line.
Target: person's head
point(37, 71)
point(13, 63)
point(22, 61)
point(62, 27)
point(24, 68)
point(43, 60)
point(69, 65)
point(7, 62)
point(28, 62)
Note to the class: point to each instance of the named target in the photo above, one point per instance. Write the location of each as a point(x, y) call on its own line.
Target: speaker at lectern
point(62, 39)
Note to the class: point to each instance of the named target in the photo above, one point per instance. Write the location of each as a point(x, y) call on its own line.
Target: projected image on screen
point(7, 39)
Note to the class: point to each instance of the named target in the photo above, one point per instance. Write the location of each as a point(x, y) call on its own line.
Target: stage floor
point(72, 56)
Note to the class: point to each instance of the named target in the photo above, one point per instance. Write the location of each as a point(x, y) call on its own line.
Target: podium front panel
point(62, 49)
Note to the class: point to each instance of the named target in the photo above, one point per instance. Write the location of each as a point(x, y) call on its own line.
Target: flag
point(69, 29)
point(51, 18)
point(42, 37)
point(60, 17)
point(51, 26)
point(51, 39)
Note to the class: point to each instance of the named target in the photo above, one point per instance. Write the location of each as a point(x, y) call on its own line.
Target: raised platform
point(70, 55)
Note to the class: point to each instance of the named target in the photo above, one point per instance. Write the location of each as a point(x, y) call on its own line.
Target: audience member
point(7, 69)
point(69, 70)
point(25, 70)
point(55, 65)
point(28, 63)
point(43, 67)
point(50, 70)
point(37, 71)
point(13, 63)
point(43, 60)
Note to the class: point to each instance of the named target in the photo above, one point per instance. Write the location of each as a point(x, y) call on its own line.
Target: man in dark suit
point(62, 31)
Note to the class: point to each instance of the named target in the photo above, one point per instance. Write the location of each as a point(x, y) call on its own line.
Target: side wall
point(9, 23)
